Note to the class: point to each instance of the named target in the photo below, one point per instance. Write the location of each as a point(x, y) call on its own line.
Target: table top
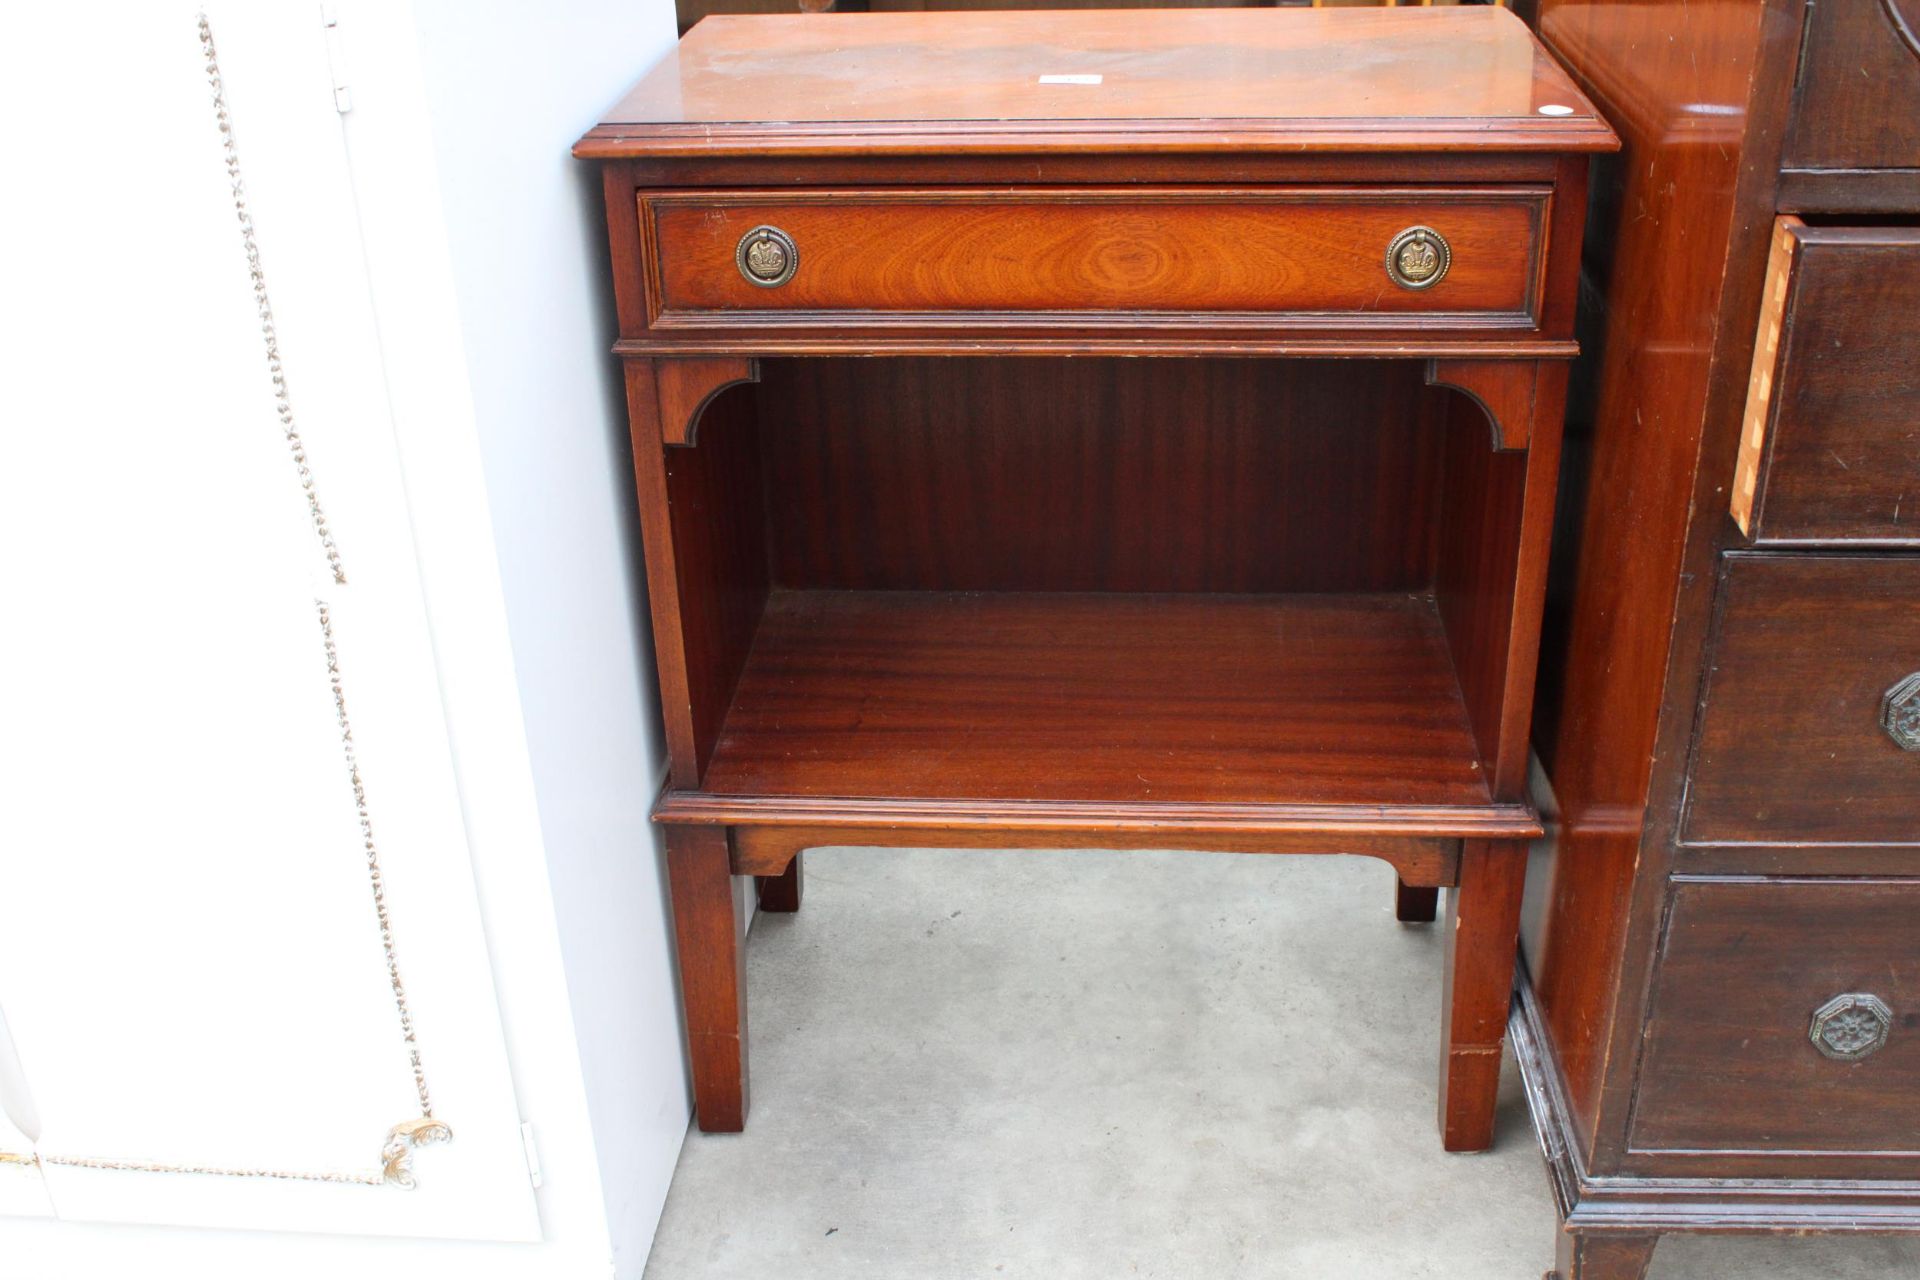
point(1345, 79)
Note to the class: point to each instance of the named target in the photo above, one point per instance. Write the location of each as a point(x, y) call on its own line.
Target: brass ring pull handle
point(1851, 1027)
point(1418, 258)
point(1900, 713)
point(767, 256)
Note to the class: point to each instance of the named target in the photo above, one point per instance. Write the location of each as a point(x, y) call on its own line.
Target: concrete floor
point(1091, 1065)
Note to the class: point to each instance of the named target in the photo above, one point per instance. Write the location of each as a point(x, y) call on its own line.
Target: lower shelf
point(1340, 711)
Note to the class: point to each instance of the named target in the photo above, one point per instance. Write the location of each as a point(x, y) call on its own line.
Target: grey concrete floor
point(1104, 1065)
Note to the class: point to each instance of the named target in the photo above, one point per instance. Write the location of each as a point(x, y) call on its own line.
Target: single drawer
point(1811, 729)
point(1785, 1017)
point(1830, 449)
point(1340, 257)
point(1857, 103)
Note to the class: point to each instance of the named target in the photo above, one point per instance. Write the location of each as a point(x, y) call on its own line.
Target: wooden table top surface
point(1150, 80)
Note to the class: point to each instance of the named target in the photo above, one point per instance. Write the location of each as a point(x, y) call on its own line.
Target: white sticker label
point(1069, 79)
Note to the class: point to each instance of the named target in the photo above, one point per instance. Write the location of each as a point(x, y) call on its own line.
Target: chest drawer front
point(1831, 444)
point(1785, 1018)
point(1301, 256)
point(1811, 727)
point(1857, 104)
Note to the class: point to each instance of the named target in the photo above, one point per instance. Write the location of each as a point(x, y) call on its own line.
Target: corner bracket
point(1507, 391)
point(686, 385)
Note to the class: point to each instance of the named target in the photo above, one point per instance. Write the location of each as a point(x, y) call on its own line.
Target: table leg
point(1414, 904)
point(1602, 1256)
point(713, 984)
point(1482, 934)
point(782, 892)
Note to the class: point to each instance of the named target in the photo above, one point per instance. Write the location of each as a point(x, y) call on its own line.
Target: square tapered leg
point(713, 985)
point(781, 893)
point(1603, 1256)
point(1415, 904)
point(1482, 936)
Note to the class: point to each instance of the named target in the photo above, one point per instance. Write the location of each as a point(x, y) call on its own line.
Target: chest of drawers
point(1722, 1019)
point(1106, 430)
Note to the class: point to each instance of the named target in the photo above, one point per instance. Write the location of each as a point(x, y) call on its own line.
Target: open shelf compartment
point(1109, 698)
point(1179, 591)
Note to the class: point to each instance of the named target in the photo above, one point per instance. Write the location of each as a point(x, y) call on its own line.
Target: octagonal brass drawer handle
point(767, 256)
point(1418, 258)
point(1900, 712)
point(1850, 1027)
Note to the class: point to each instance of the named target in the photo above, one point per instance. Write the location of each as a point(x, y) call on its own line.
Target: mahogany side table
point(1099, 429)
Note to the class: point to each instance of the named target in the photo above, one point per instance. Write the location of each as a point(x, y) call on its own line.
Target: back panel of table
point(1099, 475)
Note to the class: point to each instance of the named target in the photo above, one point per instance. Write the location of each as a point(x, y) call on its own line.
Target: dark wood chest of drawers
point(1720, 1021)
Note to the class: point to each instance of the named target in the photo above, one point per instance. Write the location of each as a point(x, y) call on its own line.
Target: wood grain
point(1842, 458)
point(1659, 1197)
point(1214, 80)
point(671, 644)
point(1858, 105)
point(1054, 251)
point(1676, 267)
point(781, 891)
point(1755, 423)
point(1316, 590)
point(1730, 1068)
point(713, 987)
point(1338, 699)
point(1415, 904)
point(713, 505)
point(1099, 475)
point(1248, 828)
point(1481, 934)
point(1684, 84)
point(1490, 569)
point(1131, 335)
point(1789, 748)
point(1055, 167)
point(1506, 391)
point(686, 386)
point(1876, 193)
point(691, 11)
point(1594, 1255)
point(1424, 861)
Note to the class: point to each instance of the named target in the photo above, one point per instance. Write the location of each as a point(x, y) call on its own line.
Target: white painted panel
point(526, 237)
point(192, 967)
point(23, 1193)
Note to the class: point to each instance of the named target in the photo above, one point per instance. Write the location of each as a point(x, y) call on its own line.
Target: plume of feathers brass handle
point(767, 256)
point(1418, 258)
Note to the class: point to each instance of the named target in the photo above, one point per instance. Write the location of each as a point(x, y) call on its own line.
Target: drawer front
point(1830, 450)
point(1305, 256)
point(1811, 728)
point(1857, 104)
point(1785, 1018)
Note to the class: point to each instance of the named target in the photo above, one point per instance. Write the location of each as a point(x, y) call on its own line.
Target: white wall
point(506, 90)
